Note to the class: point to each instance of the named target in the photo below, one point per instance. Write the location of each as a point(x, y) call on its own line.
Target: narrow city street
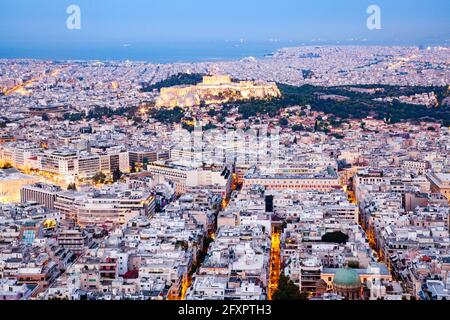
point(275, 264)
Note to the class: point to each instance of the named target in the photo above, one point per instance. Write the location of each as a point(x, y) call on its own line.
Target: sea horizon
point(179, 52)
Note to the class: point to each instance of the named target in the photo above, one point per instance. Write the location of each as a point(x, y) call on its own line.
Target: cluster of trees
point(183, 244)
point(6, 166)
point(397, 111)
point(321, 126)
point(168, 115)
point(101, 178)
point(255, 108)
point(187, 127)
point(212, 112)
point(284, 122)
point(76, 116)
point(99, 112)
point(175, 80)
point(359, 106)
point(209, 126)
point(291, 96)
point(190, 128)
point(72, 186)
point(287, 290)
point(335, 237)
point(353, 264)
point(298, 127)
point(133, 167)
point(117, 175)
point(387, 91)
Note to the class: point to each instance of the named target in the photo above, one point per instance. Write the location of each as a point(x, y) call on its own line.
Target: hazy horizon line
point(205, 59)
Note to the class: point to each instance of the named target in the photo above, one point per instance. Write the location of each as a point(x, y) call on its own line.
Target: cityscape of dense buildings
point(109, 191)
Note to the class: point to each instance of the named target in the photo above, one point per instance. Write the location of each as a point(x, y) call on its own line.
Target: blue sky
point(132, 21)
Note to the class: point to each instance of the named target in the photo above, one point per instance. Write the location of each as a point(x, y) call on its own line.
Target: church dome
point(347, 278)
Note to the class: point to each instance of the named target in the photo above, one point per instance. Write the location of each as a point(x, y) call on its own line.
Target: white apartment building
point(113, 207)
point(69, 163)
point(41, 193)
point(188, 177)
point(325, 181)
point(18, 155)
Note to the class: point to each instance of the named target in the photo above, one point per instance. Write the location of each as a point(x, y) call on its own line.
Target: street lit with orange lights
point(21, 88)
point(185, 286)
point(181, 295)
point(275, 264)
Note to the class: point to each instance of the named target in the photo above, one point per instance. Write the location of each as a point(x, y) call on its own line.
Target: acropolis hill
point(216, 89)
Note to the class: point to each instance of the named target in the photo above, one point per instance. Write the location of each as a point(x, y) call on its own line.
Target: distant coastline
point(167, 53)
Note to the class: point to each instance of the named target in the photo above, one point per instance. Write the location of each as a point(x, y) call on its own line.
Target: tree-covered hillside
point(178, 79)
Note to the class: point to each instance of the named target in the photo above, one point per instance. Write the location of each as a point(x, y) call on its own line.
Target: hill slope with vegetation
point(357, 106)
point(175, 80)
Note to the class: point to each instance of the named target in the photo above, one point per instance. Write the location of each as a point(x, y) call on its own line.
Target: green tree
point(316, 126)
point(73, 116)
point(335, 237)
point(178, 79)
point(298, 127)
point(212, 112)
point(287, 290)
point(145, 162)
point(137, 119)
point(168, 115)
point(338, 136)
point(188, 127)
point(209, 126)
point(117, 174)
point(6, 166)
point(72, 186)
point(284, 122)
point(353, 264)
point(99, 177)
